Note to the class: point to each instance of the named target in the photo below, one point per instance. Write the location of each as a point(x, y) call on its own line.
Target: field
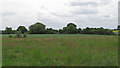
point(60, 50)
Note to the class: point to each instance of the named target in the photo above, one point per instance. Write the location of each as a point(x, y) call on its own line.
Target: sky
point(58, 13)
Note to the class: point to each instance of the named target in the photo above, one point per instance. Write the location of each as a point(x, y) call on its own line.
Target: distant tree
point(8, 30)
point(22, 29)
point(100, 31)
point(37, 28)
point(69, 24)
point(60, 31)
point(70, 29)
point(87, 30)
point(51, 31)
point(79, 30)
point(65, 30)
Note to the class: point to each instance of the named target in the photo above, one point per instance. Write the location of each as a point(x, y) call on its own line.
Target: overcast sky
point(58, 13)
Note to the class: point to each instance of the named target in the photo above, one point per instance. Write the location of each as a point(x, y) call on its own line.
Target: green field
point(60, 50)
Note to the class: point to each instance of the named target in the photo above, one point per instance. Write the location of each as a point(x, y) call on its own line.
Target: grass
point(60, 50)
point(0, 51)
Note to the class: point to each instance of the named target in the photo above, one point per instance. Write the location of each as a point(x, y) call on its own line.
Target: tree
point(22, 29)
point(71, 24)
point(37, 28)
point(79, 30)
point(70, 29)
point(51, 31)
point(8, 30)
point(100, 31)
point(87, 30)
point(60, 31)
point(65, 30)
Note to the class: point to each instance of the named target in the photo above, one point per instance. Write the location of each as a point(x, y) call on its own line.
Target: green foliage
point(100, 31)
point(24, 35)
point(51, 31)
point(10, 36)
point(71, 28)
point(65, 30)
point(22, 29)
point(37, 28)
point(18, 34)
point(8, 30)
point(69, 24)
point(79, 30)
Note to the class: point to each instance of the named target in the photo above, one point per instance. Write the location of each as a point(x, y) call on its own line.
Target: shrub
point(24, 35)
point(10, 36)
point(18, 35)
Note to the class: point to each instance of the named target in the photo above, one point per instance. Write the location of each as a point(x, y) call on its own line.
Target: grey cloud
point(6, 13)
point(85, 11)
point(96, 21)
point(55, 24)
point(50, 21)
point(105, 1)
point(119, 13)
point(107, 16)
point(61, 15)
point(78, 12)
point(83, 3)
point(101, 2)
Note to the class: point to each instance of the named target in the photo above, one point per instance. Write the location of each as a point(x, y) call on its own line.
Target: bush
point(24, 35)
point(10, 36)
point(18, 35)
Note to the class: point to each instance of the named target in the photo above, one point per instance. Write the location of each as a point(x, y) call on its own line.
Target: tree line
point(71, 28)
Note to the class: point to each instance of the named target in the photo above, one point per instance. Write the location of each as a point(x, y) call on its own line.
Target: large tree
point(22, 29)
point(71, 28)
point(37, 28)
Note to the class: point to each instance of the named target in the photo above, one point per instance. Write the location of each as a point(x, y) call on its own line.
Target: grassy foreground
point(60, 50)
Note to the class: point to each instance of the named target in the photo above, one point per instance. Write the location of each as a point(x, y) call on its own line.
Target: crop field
point(60, 50)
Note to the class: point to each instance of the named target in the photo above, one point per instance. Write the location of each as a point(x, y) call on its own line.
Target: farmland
point(60, 50)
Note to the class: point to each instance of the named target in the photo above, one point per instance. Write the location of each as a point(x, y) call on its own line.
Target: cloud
point(90, 3)
point(8, 13)
point(85, 11)
point(58, 13)
point(62, 14)
point(83, 3)
point(119, 13)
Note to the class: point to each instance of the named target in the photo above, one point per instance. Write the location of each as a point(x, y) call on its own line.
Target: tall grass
point(61, 50)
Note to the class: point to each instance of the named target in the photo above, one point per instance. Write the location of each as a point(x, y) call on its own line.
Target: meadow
point(60, 50)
